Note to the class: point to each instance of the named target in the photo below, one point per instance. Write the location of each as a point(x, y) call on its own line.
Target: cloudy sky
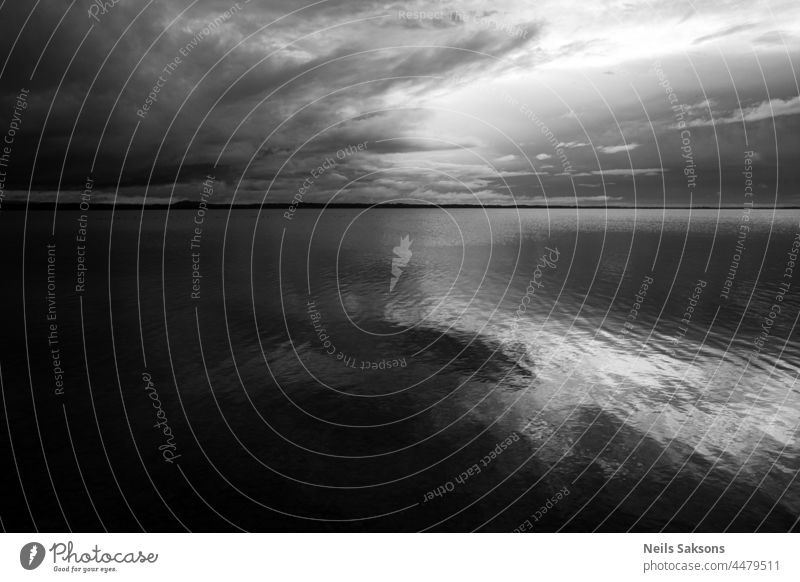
point(603, 102)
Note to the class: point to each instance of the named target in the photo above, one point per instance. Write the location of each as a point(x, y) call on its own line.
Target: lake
point(441, 369)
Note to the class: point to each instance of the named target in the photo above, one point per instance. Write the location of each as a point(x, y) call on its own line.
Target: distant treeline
point(188, 205)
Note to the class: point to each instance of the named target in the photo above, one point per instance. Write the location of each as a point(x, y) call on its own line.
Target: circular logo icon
point(31, 555)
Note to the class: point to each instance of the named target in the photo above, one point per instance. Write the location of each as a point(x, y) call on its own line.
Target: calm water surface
point(619, 358)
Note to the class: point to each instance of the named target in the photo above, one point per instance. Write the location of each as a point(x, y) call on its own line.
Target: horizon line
point(187, 205)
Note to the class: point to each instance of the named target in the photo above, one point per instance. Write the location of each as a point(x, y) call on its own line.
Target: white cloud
point(543, 156)
point(572, 144)
point(578, 199)
point(629, 171)
point(617, 148)
point(508, 158)
point(764, 110)
point(521, 173)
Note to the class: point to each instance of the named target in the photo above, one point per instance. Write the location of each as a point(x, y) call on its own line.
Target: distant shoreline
point(184, 205)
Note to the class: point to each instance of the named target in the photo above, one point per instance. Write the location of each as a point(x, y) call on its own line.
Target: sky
point(548, 102)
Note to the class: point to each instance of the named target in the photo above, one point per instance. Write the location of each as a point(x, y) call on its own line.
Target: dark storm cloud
point(259, 93)
point(231, 86)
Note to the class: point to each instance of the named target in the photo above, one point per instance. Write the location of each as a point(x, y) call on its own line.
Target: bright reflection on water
point(670, 426)
point(674, 421)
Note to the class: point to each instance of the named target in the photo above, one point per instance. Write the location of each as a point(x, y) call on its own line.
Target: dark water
point(593, 400)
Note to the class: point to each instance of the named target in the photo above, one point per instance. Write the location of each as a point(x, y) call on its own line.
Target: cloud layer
point(452, 102)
